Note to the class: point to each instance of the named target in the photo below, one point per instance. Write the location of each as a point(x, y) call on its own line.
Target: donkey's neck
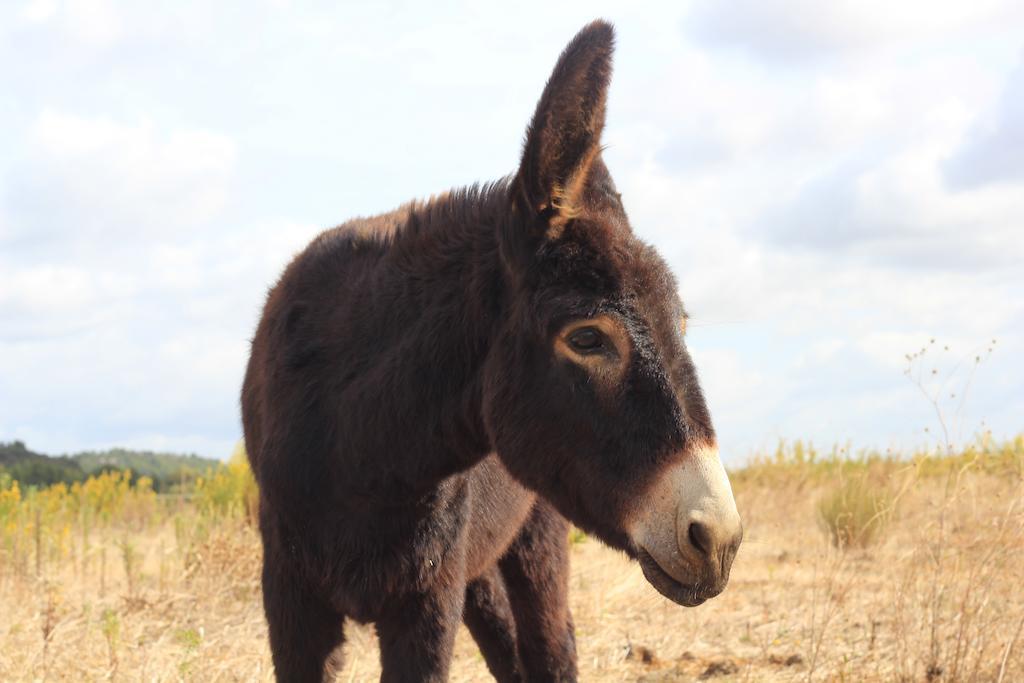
point(436, 300)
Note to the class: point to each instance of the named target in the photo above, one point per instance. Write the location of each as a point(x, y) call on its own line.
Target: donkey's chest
point(477, 516)
point(498, 507)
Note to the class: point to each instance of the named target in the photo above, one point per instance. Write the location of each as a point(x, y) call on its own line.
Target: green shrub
point(856, 513)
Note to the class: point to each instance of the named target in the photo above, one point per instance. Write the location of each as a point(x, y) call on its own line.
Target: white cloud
point(39, 11)
point(791, 30)
point(992, 151)
point(898, 210)
point(115, 181)
point(95, 23)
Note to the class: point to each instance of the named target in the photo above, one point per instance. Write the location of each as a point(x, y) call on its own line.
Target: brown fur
point(419, 445)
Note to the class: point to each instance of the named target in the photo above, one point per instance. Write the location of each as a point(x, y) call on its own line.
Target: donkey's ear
point(564, 138)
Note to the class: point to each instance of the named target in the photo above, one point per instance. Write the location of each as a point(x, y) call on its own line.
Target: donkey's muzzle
point(690, 531)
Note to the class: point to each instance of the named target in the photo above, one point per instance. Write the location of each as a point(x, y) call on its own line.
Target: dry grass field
point(118, 584)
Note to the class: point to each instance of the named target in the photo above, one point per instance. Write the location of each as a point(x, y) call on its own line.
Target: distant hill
point(37, 469)
point(31, 468)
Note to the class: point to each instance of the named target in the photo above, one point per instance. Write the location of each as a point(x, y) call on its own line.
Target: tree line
point(167, 470)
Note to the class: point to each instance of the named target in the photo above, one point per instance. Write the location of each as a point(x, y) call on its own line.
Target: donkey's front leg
point(489, 618)
point(536, 572)
point(416, 637)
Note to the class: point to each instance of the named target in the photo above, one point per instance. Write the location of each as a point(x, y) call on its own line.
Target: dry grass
point(939, 595)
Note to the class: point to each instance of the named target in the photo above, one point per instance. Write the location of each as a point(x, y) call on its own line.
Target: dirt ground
point(939, 597)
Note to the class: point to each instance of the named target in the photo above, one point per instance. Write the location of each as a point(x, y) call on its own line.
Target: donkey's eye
point(587, 340)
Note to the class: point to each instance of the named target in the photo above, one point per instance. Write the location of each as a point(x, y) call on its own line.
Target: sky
point(835, 185)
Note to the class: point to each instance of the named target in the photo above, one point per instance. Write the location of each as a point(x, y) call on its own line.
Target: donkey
point(433, 395)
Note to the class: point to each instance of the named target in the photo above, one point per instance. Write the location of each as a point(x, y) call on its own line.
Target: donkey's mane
point(463, 208)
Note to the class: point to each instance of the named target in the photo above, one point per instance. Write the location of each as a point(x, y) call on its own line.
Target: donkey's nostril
point(700, 537)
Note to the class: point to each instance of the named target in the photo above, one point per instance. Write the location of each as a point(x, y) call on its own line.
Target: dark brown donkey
point(434, 392)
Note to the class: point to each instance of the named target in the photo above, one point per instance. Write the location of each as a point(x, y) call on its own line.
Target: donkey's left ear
point(564, 138)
